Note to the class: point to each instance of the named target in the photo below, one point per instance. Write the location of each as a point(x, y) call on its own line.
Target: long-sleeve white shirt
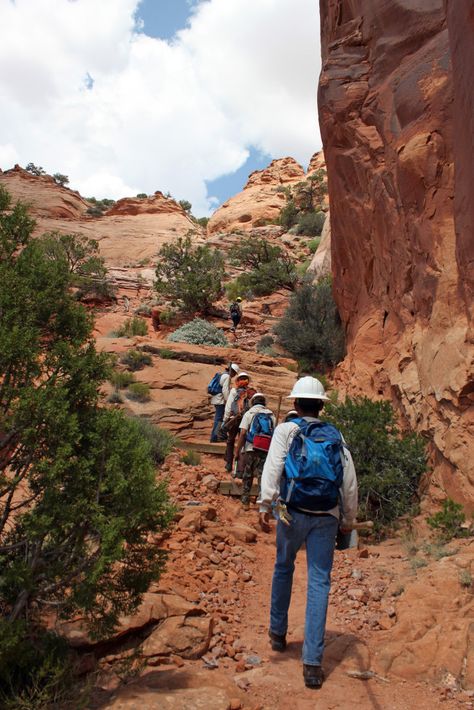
point(228, 404)
point(275, 464)
point(222, 397)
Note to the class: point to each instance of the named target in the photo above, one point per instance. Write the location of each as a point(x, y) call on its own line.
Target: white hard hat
point(257, 394)
point(308, 388)
point(241, 375)
point(235, 368)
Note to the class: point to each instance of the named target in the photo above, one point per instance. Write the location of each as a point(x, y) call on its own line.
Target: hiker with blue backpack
point(310, 482)
point(256, 430)
point(219, 389)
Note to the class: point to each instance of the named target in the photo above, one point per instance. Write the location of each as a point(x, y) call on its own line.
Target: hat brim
point(323, 398)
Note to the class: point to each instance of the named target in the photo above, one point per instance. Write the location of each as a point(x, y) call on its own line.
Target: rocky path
point(222, 564)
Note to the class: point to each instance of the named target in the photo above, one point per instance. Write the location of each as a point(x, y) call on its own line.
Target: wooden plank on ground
point(234, 488)
point(201, 447)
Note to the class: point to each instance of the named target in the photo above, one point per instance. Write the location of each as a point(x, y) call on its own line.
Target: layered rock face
point(401, 226)
point(129, 235)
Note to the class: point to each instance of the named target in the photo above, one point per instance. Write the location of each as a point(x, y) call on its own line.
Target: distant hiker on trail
point(256, 430)
point(310, 481)
point(236, 406)
point(155, 318)
point(236, 312)
point(126, 304)
point(219, 388)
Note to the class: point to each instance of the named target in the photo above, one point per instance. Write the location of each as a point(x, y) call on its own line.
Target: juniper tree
point(78, 495)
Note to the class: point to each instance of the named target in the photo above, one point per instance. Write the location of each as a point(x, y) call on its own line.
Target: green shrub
point(311, 329)
point(202, 221)
point(167, 316)
point(289, 215)
point(239, 287)
point(139, 392)
point(167, 354)
point(191, 276)
point(160, 440)
point(314, 244)
point(448, 521)
point(131, 327)
point(265, 341)
point(310, 223)
point(389, 466)
point(121, 380)
point(465, 578)
point(267, 267)
point(191, 458)
point(264, 346)
point(115, 398)
point(143, 309)
point(199, 332)
point(136, 360)
point(37, 670)
point(142, 195)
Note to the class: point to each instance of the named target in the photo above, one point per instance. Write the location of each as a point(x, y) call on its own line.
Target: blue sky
point(162, 19)
point(188, 100)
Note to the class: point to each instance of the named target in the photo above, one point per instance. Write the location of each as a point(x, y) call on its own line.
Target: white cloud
point(83, 93)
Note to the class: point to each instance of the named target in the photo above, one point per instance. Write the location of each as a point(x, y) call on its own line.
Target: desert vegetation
point(190, 275)
point(310, 328)
point(79, 500)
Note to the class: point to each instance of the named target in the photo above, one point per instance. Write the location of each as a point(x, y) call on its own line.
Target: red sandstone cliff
point(401, 254)
point(129, 234)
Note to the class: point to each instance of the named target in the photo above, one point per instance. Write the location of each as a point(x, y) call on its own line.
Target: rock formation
point(402, 250)
point(130, 234)
point(261, 201)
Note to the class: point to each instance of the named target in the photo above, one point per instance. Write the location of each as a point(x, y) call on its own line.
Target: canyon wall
point(397, 133)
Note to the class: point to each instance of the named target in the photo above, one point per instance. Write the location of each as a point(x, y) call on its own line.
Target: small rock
point(246, 576)
point(357, 574)
point(240, 667)
point(234, 704)
point(363, 553)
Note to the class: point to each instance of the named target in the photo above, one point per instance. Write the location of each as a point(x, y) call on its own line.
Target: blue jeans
point(319, 534)
point(218, 417)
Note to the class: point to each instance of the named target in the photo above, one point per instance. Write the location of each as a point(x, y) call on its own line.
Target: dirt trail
point(258, 678)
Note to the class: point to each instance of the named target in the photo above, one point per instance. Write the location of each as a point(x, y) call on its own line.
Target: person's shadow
point(338, 647)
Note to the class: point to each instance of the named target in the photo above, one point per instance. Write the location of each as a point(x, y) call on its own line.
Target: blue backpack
point(313, 468)
point(261, 431)
point(214, 387)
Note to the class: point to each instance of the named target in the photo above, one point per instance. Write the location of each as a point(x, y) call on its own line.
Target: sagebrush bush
point(136, 360)
point(160, 440)
point(139, 392)
point(264, 346)
point(143, 310)
point(199, 332)
point(310, 328)
point(314, 244)
point(132, 326)
point(388, 465)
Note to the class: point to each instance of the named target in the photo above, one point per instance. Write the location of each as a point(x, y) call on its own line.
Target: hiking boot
point(245, 505)
point(313, 676)
point(278, 642)
point(228, 467)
